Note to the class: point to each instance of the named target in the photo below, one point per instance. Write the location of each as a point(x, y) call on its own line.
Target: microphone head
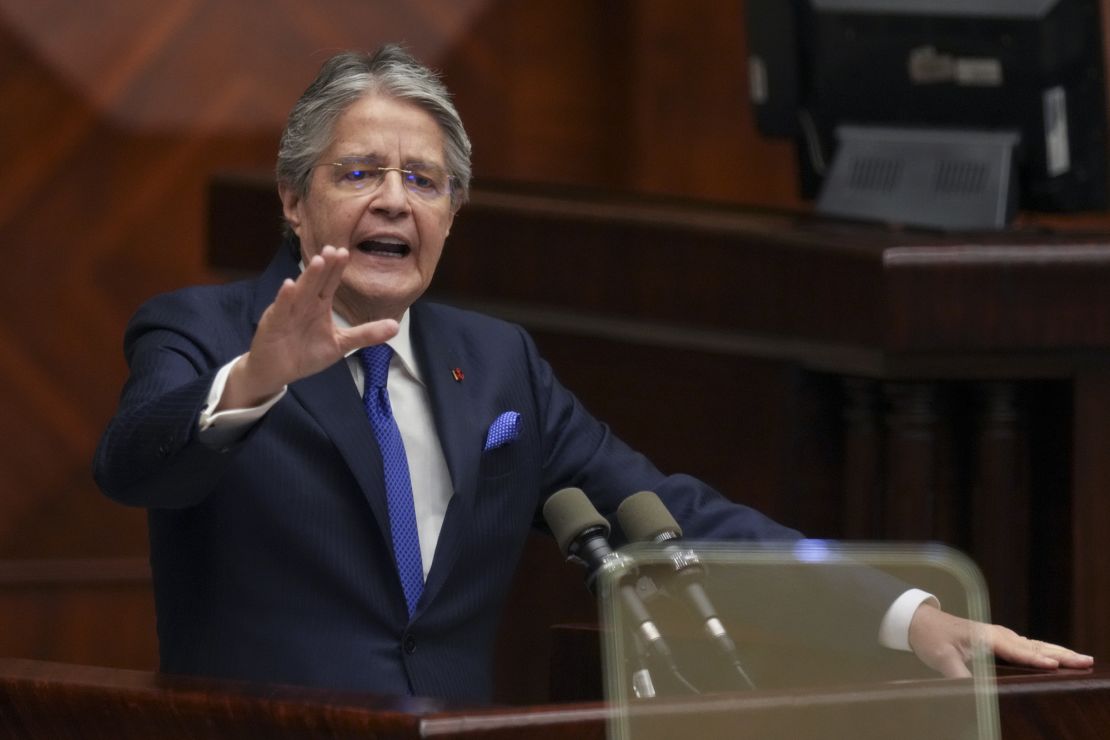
point(644, 517)
point(569, 513)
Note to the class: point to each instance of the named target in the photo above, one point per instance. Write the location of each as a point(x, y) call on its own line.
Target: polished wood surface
point(56, 700)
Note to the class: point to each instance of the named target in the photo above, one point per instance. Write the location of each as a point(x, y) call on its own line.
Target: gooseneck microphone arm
point(582, 534)
point(645, 518)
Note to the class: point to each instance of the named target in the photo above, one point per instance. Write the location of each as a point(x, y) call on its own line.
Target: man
point(300, 536)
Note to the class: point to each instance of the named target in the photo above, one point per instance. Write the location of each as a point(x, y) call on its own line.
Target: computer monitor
point(1028, 70)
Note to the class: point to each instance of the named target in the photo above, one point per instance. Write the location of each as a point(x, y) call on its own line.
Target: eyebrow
point(365, 157)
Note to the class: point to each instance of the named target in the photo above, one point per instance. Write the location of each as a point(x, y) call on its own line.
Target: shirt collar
point(401, 343)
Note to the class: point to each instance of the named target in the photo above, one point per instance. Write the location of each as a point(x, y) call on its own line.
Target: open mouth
point(385, 248)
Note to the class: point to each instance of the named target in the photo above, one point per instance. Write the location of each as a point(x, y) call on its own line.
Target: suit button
point(410, 644)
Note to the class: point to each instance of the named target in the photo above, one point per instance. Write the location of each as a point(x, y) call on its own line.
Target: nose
point(390, 197)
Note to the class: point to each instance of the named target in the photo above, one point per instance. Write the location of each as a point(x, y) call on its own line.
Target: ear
point(291, 206)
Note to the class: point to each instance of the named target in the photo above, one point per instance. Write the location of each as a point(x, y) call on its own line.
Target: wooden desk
point(863, 382)
point(56, 700)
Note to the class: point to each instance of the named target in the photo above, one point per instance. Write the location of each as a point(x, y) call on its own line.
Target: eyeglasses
point(358, 175)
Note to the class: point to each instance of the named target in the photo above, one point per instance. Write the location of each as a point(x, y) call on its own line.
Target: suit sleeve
point(150, 454)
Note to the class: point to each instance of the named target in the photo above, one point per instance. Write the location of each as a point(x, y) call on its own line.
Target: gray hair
point(346, 78)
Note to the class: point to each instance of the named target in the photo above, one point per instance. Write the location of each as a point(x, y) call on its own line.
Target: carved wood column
point(863, 474)
point(1000, 505)
point(1091, 511)
point(910, 491)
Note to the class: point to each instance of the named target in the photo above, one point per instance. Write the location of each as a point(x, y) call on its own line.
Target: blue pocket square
point(504, 429)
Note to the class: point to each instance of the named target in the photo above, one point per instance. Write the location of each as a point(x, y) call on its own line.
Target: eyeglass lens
point(358, 174)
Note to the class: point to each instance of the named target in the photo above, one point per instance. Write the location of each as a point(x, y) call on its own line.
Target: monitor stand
point(949, 179)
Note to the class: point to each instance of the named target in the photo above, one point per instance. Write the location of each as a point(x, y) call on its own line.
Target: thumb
point(368, 334)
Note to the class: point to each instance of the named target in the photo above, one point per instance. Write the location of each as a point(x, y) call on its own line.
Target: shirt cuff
point(226, 427)
point(894, 630)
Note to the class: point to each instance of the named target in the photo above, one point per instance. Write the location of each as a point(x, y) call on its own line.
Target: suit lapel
point(459, 431)
point(331, 398)
point(452, 403)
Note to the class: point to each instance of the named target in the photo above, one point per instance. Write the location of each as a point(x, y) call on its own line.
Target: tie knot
point(375, 362)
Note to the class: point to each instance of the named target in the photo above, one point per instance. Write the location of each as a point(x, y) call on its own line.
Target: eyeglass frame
point(451, 184)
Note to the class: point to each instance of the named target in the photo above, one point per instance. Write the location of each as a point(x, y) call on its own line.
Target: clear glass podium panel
point(782, 641)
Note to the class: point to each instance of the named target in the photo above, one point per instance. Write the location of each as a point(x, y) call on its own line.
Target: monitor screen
point(1031, 67)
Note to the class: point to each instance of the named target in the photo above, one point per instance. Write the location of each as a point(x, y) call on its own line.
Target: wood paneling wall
point(97, 611)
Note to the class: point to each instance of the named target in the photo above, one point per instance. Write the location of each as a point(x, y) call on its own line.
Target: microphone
point(645, 518)
point(582, 534)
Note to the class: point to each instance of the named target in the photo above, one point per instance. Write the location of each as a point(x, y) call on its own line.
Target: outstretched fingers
point(1014, 648)
point(322, 275)
point(310, 296)
point(335, 263)
point(942, 641)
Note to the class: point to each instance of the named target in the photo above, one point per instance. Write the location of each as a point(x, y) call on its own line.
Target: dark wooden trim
point(74, 571)
point(49, 700)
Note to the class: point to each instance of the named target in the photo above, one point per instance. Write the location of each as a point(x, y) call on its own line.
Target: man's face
point(395, 236)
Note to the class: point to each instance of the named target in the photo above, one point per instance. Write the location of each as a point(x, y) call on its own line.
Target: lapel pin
point(457, 374)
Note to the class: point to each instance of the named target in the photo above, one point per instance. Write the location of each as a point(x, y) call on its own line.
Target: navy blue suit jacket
point(271, 558)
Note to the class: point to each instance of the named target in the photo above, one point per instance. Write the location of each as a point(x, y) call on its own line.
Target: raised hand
point(296, 336)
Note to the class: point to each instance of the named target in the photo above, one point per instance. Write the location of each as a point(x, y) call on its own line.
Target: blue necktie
point(395, 465)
